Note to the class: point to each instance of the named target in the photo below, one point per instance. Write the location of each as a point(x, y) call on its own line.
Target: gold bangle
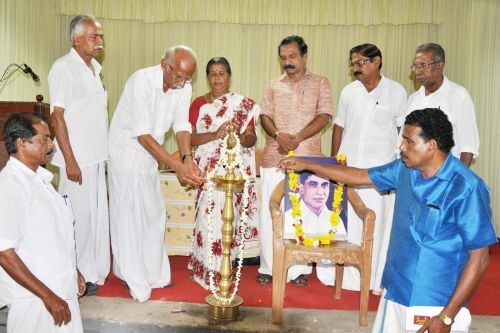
point(275, 136)
point(186, 155)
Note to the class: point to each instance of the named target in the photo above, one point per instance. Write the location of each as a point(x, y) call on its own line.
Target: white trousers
point(269, 178)
point(89, 202)
point(137, 215)
point(31, 316)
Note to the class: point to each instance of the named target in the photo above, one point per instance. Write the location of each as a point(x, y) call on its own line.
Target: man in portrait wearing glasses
point(295, 108)
point(439, 92)
point(154, 100)
point(365, 130)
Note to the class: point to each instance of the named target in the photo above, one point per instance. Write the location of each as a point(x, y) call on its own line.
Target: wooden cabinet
point(180, 207)
point(8, 108)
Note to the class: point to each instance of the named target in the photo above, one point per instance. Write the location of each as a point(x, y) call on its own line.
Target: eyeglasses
point(360, 63)
point(423, 66)
point(178, 76)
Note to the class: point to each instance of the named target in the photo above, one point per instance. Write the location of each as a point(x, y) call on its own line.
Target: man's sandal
point(300, 281)
point(264, 279)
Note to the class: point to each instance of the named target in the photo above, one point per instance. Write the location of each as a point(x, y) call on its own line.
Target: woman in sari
point(210, 116)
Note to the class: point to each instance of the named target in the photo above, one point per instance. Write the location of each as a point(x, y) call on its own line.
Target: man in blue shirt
point(442, 227)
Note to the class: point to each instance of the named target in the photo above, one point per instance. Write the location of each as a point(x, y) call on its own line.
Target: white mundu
point(369, 139)
point(137, 209)
point(78, 90)
point(38, 224)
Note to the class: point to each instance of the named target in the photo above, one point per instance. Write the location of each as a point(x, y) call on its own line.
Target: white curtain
point(247, 32)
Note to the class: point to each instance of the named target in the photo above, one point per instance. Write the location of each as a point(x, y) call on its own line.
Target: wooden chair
point(287, 252)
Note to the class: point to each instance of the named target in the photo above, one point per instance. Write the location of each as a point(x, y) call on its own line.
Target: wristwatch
point(446, 320)
point(275, 136)
point(185, 156)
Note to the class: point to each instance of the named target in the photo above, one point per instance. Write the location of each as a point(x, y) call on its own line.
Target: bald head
point(178, 64)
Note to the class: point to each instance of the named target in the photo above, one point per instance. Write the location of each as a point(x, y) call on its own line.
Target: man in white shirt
point(39, 280)
point(365, 129)
point(439, 92)
point(78, 104)
point(154, 99)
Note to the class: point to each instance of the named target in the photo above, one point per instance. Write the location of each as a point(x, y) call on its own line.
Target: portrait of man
point(315, 196)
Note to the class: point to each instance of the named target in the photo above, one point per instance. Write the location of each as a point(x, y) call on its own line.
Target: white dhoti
point(89, 202)
point(30, 316)
point(383, 206)
point(137, 214)
point(392, 317)
point(269, 178)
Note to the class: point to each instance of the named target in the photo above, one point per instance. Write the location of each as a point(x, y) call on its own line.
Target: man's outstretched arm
point(339, 173)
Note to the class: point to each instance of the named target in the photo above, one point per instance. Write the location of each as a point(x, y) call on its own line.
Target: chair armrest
point(365, 214)
point(275, 208)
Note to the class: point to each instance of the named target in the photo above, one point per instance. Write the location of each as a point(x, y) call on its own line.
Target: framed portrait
point(311, 204)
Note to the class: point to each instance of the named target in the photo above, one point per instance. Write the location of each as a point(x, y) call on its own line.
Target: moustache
point(288, 67)
point(98, 47)
point(357, 73)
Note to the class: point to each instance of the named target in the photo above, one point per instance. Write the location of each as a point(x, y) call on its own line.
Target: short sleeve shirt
point(455, 101)
point(437, 220)
point(292, 106)
point(75, 88)
point(369, 120)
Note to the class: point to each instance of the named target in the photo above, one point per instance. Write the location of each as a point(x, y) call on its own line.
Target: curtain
point(247, 32)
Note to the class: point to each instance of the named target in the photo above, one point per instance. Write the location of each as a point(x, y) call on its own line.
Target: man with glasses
point(365, 130)
point(439, 92)
point(154, 100)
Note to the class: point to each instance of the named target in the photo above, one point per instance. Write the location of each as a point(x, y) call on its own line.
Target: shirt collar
point(41, 172)
point(285, 77)
point(443, 87)
point(75, 56)
point(445, 172)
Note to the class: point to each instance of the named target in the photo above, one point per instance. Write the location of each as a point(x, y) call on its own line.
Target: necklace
point(293, 187)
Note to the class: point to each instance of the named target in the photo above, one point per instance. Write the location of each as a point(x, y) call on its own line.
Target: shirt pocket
point(382, 116)
point(426, 222)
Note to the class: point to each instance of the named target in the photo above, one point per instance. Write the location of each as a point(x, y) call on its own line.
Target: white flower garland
point(223, 162)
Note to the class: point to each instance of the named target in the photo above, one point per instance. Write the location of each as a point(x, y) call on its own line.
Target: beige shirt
point(292, 106)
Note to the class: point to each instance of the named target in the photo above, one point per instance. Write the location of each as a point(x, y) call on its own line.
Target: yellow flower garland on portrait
point(293, 186)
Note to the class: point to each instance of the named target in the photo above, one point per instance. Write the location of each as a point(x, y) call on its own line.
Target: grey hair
point(170, 52)
point(76, 25)
point(437, 51)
